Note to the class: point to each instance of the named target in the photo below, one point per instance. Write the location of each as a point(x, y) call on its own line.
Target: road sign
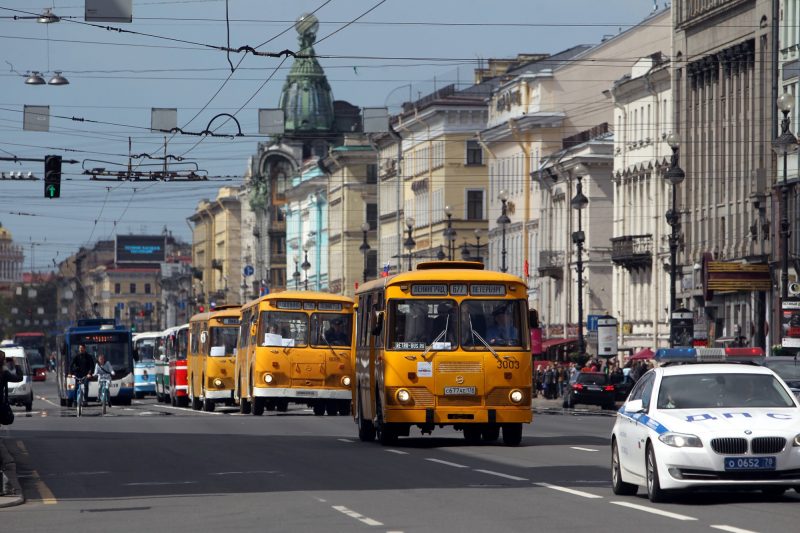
point(591, 322)
point(248, 270)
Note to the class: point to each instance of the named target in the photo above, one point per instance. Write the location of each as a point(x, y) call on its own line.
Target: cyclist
point(103, 371)
point(81, 367)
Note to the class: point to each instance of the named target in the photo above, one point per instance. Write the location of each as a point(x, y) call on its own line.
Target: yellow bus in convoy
point(445, 345)
point(211, 356)
point(295, 346)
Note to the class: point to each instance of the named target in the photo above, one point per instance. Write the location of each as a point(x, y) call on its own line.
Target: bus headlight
point(516, 396)
point(268, 378)
point(403, 396)
point(346, 381)
point(218, 383)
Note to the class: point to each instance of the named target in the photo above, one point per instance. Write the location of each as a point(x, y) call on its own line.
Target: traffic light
point(52, 176)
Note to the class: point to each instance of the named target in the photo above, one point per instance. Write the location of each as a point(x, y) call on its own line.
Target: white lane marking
point(569, 491)
point(398, 452)
point(583, 449)
point(243, 472)
point(667, 514)
point(500, 474)
point(48, 401)
point(361, 518)
point(448, 463)
point(733, 529)
point(187, 409)
point(345, 440)
point(154, 483)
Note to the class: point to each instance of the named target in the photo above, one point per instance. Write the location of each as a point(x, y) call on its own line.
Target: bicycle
point(103, 395)
point(79, 393)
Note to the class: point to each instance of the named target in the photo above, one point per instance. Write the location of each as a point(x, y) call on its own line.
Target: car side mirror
point(634, 406)
point(377, 323)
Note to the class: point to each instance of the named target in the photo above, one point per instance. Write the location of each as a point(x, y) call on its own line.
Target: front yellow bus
point(297, 351)
point(446, 345)
point(212, 357)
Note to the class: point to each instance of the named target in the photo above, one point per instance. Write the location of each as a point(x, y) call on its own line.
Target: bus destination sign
point(429, 290)
point(487, 290)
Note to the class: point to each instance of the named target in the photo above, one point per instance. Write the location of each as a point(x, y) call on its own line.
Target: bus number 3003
point(508, 364)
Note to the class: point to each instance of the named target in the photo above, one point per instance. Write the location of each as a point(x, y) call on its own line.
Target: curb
point(10, 492)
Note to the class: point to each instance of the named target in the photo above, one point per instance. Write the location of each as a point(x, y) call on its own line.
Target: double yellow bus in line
point(445, 345)
point(211, 356)
point(295, 346)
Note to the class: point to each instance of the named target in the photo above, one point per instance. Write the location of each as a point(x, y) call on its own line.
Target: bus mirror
point(377, 322)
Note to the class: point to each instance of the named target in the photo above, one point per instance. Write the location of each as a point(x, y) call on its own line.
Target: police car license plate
point(749, 463)
point(459, 391)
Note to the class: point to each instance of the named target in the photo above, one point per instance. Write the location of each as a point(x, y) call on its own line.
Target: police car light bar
point(676, 355)
point(707, 355)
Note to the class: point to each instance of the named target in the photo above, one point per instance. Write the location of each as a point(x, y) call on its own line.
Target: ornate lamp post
point(450, 233)
point(579, 202)
point(409, 242)
point(465, 253)
point(785, 144)
point(364, 247)
point(296, 275)
point(675, 175)
point(440, 254)
point(503, 220)
point(306, 265)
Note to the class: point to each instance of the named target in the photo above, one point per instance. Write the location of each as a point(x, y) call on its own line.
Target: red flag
point(525, 268)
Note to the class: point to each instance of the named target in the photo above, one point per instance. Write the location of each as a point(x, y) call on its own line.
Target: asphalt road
point(152, 466)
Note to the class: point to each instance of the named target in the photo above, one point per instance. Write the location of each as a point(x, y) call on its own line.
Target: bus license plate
point(749, 463)
point(460, 391)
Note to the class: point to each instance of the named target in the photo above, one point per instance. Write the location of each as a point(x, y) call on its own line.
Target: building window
point(133, 288)
point(475, 205)
point(147, 288)
point(117, 288)
point(474, 153)
point(372, 216)
point(372, 174)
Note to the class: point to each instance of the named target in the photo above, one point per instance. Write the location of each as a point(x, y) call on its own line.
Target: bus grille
point(767, 444)
point(499, 397)
point(459, 401)
point(460, 366)
point(307, 383)
point(732, 445)
point(422, 397)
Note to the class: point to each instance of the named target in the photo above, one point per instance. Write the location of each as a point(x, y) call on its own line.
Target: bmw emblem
point(748, 432)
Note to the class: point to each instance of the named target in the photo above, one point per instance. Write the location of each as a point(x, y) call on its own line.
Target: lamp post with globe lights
point(503, 221)
point(675, 175)
point(365, 247)
point(409, 242)
point(578, 203)
point(785, 144)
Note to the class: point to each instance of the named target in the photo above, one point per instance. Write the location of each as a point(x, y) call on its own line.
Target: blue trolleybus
point(101, 336)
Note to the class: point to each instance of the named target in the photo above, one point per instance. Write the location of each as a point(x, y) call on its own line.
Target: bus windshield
point(417, 323)
point(147, 349)
point(283, 328)
point(181, 344)
point(115, 347)
point(226, 337)
point(496, 321)
point(333, 329)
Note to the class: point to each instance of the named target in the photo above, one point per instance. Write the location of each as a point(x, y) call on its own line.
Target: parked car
point(788, 368)
point(590, 388)
point(20, 393)
point(37, 363)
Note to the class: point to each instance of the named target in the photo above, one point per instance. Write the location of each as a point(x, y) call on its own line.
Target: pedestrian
point(548, 382)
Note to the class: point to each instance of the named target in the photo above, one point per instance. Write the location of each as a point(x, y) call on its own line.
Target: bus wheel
point(139, 395)
point(490, 433)
point(319, 409)
point(472, 434)
point(331, 408)
point(196, 403)
point(258, 406)
point(366, 431)
point(512, 434)
point(208, 406)
point(244, 406)
point(182, 401)
point(344, 407)
point(282, 405)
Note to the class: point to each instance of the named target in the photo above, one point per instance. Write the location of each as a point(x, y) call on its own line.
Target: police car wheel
point(654, 491)
point(617, 485)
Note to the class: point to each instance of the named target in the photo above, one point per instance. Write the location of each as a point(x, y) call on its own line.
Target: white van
point(20, 393)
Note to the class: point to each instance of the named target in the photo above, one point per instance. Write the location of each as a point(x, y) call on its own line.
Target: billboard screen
point(140, 249)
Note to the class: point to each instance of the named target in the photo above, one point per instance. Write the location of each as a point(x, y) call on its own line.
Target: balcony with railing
point(632, 251)
point(551, 263)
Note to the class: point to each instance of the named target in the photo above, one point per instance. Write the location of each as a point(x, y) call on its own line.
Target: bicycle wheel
point(79, 399)
point(104, 400)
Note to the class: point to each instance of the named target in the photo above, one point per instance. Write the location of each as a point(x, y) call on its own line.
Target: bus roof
point(147, 335)
point(451, 271)
point(301, 295)
point(228, 310)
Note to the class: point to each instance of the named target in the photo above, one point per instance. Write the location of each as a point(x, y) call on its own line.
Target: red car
point(37, 362)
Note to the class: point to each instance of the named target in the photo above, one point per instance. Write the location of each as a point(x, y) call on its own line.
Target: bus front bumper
point(219, 394)
point(452, 416)
point(278, 392)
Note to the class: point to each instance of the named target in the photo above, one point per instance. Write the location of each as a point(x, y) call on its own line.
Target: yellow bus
point(211, 356)
point(294, 346)
point(445, 345)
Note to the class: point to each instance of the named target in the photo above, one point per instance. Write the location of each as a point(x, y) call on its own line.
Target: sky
point(380, 53)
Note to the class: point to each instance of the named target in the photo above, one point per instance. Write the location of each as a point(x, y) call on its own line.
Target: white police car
point(706, 425)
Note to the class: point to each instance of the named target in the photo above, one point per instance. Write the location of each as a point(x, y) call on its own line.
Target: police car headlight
point(346, 381)
point(268, 378)
point(403, 396)
point(218, 382)
point(681, 440)
point(796, 440)
point(516, 396)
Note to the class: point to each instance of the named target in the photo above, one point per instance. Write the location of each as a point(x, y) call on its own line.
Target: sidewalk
point(544, 406)
point(10, 490)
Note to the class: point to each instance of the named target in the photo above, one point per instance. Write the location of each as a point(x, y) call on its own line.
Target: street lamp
point(503, 220)
point(440, 254)
point(409, 243)
point(785, 144)
point(579, 202)
point(296, 275)
point(306, 265)
point(465, 253)
point(450, 233)
point(675, 175)
point(364, 247)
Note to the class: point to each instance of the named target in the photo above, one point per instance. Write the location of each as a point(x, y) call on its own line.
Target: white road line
point(733, 529)
point(361, 518)
point(652, 510)
point(345, 440)
point(398, 452)
point(154, 483)
point(48, 401)
point(583, 449)
point(187, 409)
point(499, 474)
point(569, 491)
point(448, 463)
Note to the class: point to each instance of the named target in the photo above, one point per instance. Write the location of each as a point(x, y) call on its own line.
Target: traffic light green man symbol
point(52, 176)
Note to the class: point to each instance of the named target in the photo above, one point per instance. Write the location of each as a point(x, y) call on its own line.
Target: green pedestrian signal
point(52, 176)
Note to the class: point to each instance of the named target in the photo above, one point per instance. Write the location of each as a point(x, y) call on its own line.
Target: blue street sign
point(248, 270)
point(591, 322)
point(148, 306)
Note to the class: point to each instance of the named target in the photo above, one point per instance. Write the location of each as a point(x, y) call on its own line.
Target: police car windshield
point(710, 391)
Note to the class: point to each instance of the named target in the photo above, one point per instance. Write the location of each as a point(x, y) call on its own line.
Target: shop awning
point(646, 353)
point(549, 343)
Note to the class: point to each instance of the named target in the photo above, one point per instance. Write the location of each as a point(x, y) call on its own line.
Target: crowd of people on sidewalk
point(552, 378)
